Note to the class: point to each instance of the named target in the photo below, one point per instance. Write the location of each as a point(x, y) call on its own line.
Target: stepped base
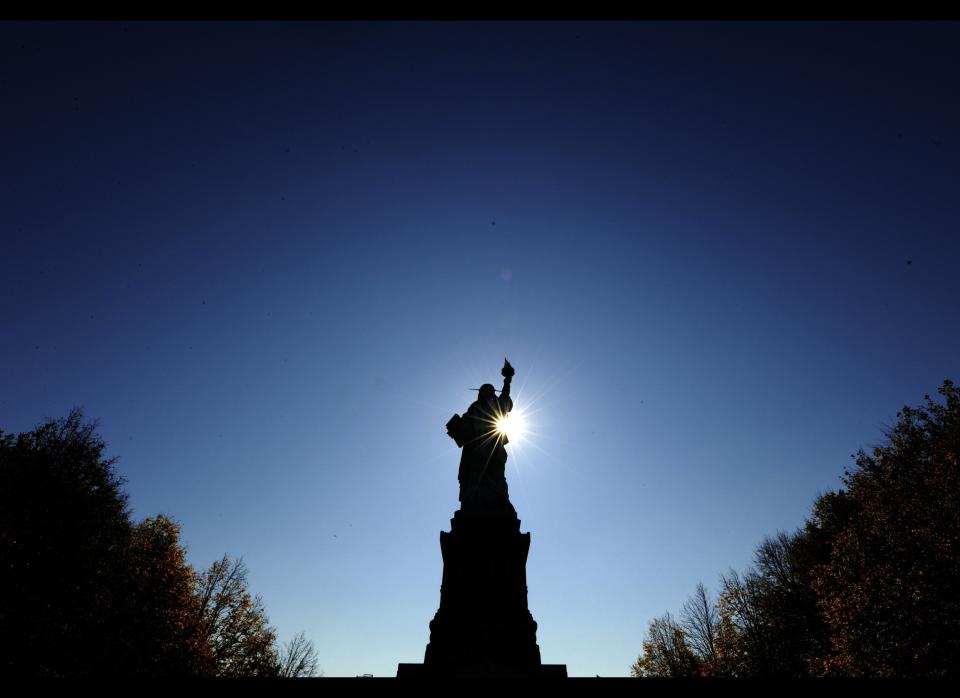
point(540, 671)
point(483, 626)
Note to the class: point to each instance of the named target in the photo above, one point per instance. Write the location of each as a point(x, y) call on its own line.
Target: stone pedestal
point(483, 626)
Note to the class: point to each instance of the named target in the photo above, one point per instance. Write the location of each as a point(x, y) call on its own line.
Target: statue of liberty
point(483, 484)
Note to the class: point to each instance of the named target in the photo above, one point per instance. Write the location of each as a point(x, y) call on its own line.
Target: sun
point(512, 425)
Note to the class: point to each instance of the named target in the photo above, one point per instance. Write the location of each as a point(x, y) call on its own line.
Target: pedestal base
point(483, 626)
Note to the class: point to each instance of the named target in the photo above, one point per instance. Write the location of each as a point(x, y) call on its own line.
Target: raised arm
point(507, 372)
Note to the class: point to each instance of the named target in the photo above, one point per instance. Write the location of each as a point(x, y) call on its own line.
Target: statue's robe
point(483, 483)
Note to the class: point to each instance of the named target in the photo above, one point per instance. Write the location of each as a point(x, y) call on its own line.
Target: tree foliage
point(88, 592)
point(64, 529)
point(769, 614)
point(234, 622)
point(666, 651)
point(869, 586)
point(890, 589)
point(164, 634)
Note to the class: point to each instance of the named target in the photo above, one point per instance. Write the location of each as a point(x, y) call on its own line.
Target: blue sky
point(272, 258)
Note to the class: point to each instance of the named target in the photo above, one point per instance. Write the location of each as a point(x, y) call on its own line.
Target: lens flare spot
point(512, 425)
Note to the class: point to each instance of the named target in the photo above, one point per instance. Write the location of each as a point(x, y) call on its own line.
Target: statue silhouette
point(483, 484)
point(483, 626)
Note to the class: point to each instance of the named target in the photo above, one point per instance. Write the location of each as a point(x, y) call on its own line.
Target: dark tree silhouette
point(64, 530)
point(700, 623)
point(298, 658)
point(84, 591)
point(666, 652)
point(768, 616)
point(870, 586)
point(890, 590)
point(163, 635)
point(234, 622)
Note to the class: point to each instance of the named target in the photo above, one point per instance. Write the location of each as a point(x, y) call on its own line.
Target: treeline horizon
point(866, 587)
point(88, 591)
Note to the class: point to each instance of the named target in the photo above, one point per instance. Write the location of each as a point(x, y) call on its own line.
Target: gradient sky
point(272, 258)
